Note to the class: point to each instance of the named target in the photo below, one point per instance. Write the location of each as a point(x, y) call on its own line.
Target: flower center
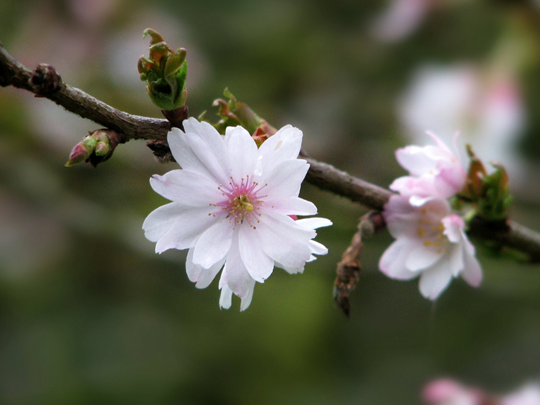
point(241, 201)
point(431, 232)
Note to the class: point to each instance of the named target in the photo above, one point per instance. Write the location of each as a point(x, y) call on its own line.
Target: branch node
point(45, 79)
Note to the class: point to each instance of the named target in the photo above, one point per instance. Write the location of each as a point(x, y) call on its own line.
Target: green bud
point(165, 73)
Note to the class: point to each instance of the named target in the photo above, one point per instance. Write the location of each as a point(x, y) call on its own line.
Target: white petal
point(290, 270)
point(317, 248)
point(392, 262)
point(235, 274)
point(186, 229)
point(225, 300)
point(283, 240)
point(199, 275)
point(242, 153)
point(434, 280)
point(313, 223)
point(213, 244)
point(472, 272)
point(286, 178)
point(159, 221)
point(283, 145)
point(211, 137)
point(212, 163)
point(257, 263)
point(422, 257)
point(183, 154)
point(246, 301)
point(186, 187)
point(290, 205)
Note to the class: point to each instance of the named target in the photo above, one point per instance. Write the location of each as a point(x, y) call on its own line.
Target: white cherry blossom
point(232, 207)
point(430, 244)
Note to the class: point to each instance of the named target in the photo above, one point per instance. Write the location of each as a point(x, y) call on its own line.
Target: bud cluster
point(164, 72)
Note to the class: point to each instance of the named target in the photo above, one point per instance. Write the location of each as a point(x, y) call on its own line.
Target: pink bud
point(81, 151)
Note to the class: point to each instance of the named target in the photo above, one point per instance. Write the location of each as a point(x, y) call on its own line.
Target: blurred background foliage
point(89, 314)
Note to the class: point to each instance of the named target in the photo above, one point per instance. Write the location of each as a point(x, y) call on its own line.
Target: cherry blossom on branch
point(234, 207)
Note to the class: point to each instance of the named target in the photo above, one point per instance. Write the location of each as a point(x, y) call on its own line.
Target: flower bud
point(95, 148)
point(164, 72)
point(81, 151)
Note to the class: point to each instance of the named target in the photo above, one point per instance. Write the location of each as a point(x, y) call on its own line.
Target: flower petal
point(286, 178)
point(242, 151)
point(283, 145)
point(313, 223)
point(472, 272)
point(435, 280)
point(392, 262)
point(199, 275)
point(235, 274)
point(317, 248)
point(212, 163)
point(225, 299)
point(213, 244)
point(160, 221)
point(283, 240)
point(291, 205)
point(186, 229)
point(215, 142)
point(246, 301)
point(422, 257)
point(187, 187)
point(258, 264)
point(183, 154)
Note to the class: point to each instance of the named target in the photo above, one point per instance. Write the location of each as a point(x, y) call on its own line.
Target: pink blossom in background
point(435, 172)
point(483, 103)
point(399, 19)
point(430, 244)
point(529, 394)
point(446, 391)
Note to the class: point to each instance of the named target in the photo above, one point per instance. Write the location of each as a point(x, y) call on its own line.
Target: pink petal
point(472, 272)
point(392, 262)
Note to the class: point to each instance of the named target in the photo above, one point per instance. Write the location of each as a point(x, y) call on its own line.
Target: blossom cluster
point(234, 206)
point(430, 239)
point(446, 391)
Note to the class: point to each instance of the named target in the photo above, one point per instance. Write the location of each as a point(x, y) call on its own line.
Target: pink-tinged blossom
point(430, 244)
point(484, 102)
point(529, 394)
point(446, 391)
point(435, 172)
point(232, 205)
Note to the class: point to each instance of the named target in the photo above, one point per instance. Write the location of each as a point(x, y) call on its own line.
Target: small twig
point(348, 269)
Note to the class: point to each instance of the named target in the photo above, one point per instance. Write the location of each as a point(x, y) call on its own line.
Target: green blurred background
point(89, 314)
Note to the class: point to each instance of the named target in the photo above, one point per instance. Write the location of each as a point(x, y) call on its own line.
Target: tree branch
point(45, 82)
